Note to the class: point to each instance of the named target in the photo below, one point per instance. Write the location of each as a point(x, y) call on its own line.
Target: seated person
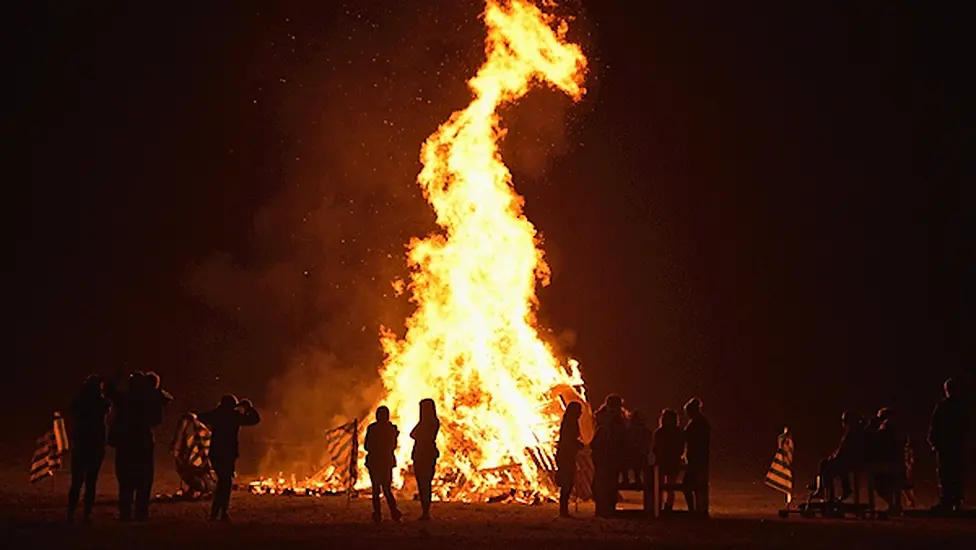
point(639, 440)
point(888, 458)
point(844, 461)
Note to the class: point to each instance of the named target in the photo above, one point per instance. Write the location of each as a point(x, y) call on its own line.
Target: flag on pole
point(585, 471)
point(47, 453)
point(780, 474)
point(191, 442)
point(543, 458)
point(191, 448)
point(342, 444)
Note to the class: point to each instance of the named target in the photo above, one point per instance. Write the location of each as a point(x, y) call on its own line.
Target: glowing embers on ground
point(472, 344)
point(322, 483)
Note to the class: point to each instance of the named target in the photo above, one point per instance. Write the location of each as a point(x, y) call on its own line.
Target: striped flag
point(47, 453)
point(585, 471)
point(191, 442)
point(545, 462)
point(342, 444)
point(780, 474)
point(543, 458)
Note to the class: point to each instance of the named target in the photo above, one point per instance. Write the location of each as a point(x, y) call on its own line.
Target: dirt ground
point(744, 517)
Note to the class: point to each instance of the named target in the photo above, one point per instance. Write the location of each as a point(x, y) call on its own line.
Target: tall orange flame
point(472, 343)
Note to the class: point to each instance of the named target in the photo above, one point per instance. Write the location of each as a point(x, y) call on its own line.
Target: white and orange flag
point(780, 473)
point(48, 451)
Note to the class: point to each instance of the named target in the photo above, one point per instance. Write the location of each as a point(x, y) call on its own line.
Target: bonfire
point(473, 343)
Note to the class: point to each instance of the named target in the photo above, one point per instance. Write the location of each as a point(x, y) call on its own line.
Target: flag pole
point(353, 459)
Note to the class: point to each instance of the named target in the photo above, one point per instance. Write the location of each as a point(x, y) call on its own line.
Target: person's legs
point(690, 483)
point(221, 497)
point(93, 466)
point(952, 463)
point(387, 486)
point(146, 473)
point(702, 493)
point(425, 479)
point(78, 469)
point(375, 482)
point(565, 492)
point(124, 475)
point(668, 494)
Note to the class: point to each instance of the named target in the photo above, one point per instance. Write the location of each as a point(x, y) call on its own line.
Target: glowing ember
point(472, 344)
point(314, 486)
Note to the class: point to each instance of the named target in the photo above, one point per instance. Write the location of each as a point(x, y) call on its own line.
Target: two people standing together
point(380, 445)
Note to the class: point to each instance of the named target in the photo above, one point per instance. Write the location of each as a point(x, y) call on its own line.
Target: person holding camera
point(225, 423)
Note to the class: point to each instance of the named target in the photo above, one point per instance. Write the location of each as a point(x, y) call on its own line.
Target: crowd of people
point(876, 446)
point(130, 409)
point(622, 448)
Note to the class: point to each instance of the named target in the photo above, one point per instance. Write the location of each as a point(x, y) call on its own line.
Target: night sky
point(757, 206)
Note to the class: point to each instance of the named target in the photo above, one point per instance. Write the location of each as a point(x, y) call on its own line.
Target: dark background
point(757, 204)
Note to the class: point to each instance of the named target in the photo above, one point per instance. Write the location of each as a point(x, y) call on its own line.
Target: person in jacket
point(380, 445)
point(225, 424)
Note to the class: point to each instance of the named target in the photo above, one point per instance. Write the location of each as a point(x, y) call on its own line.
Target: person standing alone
point(947, 436)
point(225, 423)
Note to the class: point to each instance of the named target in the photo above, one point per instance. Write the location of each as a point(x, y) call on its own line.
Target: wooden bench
point(828, 506)
point(651, 488)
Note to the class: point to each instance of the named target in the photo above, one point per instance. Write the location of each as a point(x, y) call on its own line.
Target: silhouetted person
point(88, 410)
point(380, 445)
point(609, 448)
point(139, 410)
point(425, 453)
point(567, 448)
point(947, 436)
point(888, 459)
point(120, 437)
point(846, 459)
point(697, 435)
point(668, 446)
point(639, 438)
point(225, 423)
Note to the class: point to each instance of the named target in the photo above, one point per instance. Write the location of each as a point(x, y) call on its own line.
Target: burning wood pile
point(530, 480)
point(472, 345)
